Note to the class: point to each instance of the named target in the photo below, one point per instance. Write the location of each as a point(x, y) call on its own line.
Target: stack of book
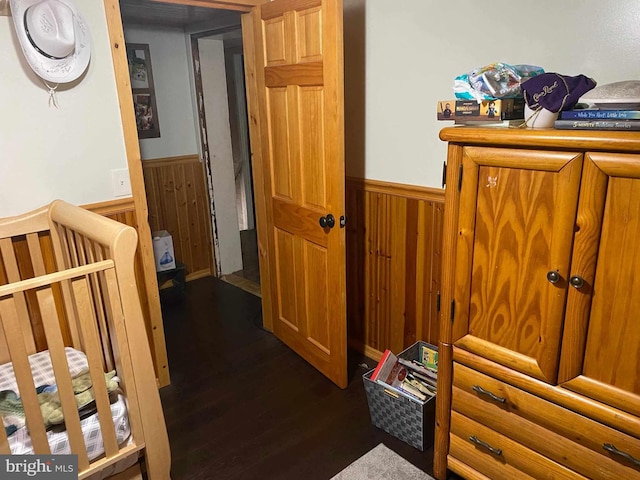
point(506, 111)
point(596, 119)
point(413, 379)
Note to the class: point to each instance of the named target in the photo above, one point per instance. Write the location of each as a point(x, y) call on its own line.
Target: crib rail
point(86, 297)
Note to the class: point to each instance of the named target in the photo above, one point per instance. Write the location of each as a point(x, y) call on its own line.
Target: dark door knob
point(576, 281)
point(553, 276)
point(327, 222)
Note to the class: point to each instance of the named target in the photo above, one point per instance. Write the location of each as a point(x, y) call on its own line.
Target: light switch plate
point(121, 182)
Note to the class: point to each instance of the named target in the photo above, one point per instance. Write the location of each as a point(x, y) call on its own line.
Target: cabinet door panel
point(517, 215)
point(610, 358)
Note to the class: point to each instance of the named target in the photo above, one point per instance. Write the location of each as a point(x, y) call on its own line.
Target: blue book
point(590, 124)
point(587, 114)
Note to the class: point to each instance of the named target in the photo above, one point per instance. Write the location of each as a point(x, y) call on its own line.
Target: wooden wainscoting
point(394, 242)
point(178, 202)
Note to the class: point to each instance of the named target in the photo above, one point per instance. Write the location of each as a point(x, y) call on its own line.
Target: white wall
point(399, 62)
point(68, 153)
point(216, 105)
point(169, 63)
point(413, 52)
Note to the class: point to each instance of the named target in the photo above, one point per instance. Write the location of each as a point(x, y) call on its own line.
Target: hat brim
point(54, 70)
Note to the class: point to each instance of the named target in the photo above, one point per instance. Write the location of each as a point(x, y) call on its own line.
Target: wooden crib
point(67, 280)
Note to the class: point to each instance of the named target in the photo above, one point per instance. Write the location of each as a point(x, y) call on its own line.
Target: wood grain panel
point(281, 167)
point(178, 203)
point(309, 39)
point(515, 224)
point(525, 463)
point(611, 356)
point(275, 53)
point(303, 74)
point(315, 272)
point(394, 241)
point(286, 288)
point(277, 9)
point(300, 221)
point(563, 436)
point(312, 148)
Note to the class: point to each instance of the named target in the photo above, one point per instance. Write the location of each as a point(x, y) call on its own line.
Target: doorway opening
point(224, 122)
point(198, 63)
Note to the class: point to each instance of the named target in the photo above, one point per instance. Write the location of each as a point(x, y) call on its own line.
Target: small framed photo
point(144, 97)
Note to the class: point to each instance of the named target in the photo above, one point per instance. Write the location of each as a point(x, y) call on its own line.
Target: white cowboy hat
point(54, 37)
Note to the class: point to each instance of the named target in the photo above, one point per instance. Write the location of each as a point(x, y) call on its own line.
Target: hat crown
point(54, 38)
point(50, 27)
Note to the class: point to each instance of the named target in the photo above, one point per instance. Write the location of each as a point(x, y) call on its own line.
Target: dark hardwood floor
point(242, 405)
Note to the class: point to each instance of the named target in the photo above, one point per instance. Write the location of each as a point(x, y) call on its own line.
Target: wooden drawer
point(497, 456)
point(555, 432)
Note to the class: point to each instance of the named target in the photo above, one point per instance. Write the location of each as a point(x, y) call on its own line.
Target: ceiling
point(148, 12)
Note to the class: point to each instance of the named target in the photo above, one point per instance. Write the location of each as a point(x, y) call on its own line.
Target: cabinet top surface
point(544, 138)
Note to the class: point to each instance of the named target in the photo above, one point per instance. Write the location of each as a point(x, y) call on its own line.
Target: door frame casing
point(155, 330)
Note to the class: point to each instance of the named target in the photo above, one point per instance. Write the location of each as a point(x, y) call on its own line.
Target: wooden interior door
point(606, 363)
point(516, 225)
point(294, 70)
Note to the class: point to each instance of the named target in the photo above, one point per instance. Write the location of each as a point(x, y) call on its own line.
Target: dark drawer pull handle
point(477, 441)
point(482, 391)
point(610, 448)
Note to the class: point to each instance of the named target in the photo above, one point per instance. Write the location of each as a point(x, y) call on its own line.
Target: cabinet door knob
point(553, 276)
point(577, 281)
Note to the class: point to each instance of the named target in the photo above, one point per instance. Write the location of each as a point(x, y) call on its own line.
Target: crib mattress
point(42, 371)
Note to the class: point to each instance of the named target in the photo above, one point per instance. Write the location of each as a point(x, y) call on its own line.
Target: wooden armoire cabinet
point(539, 373)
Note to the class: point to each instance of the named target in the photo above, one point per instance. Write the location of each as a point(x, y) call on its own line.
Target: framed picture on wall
point(144, 97)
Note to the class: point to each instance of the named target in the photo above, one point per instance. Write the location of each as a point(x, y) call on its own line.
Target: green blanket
point(12, 410)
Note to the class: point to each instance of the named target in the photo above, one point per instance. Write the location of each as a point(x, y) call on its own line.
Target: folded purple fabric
point(555, 92)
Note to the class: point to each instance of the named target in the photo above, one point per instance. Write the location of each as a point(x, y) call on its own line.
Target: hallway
point(248, 278)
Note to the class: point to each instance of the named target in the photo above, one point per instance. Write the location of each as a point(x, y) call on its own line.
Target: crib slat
point(61, 251)
point(98, 300)
point(55, 343)
point(12, 329)
point(89, 334)
point(37, 260)
point(5, 357)
point(4, 441)
point(123, 357)
point(71, 247)
point(13, 275)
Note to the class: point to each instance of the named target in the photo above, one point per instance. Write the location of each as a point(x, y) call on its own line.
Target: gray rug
point(381, 463)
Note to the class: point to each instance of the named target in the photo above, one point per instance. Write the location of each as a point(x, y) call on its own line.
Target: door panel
point(517, 211)
point(611, 357)
point(299, 112)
